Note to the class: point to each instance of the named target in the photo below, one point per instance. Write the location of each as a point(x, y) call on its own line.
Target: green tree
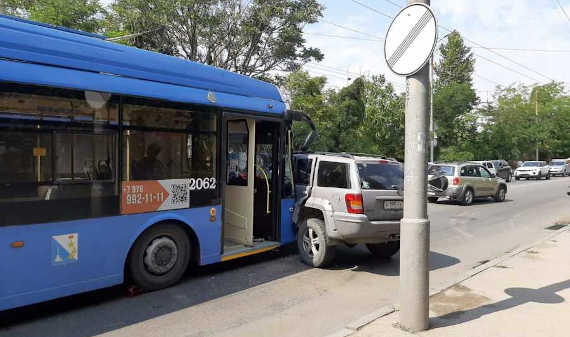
point(307, 94)
point(253, 38)
point(383, 127)
point(457, 62)
point(515, 123)
point(86, 15)
point(455, 99)
point(338, 116)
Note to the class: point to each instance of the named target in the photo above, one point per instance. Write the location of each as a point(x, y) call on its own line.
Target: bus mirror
point(294, 115)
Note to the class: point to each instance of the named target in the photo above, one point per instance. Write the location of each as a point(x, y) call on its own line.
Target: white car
point(533, 169)
point(487, 164)
point(559, 167)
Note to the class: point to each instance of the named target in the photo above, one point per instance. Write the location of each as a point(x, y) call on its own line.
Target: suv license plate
point(393, 204)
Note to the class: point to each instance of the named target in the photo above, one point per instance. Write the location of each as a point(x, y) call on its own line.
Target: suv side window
point(303, 171)
point(333, 174)
point(469, 171)
point(484, 173)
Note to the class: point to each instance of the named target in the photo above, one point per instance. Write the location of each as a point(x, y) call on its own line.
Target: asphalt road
point(274, 294)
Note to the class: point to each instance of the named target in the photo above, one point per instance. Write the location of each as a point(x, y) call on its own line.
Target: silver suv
point(346, 199)
point(464, 182)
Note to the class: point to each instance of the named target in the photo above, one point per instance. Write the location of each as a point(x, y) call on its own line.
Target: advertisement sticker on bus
point(154, 195)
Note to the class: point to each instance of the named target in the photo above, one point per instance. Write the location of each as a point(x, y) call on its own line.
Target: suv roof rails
point(346, 154)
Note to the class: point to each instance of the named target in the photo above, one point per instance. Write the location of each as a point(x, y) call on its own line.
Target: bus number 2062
point(202, 184)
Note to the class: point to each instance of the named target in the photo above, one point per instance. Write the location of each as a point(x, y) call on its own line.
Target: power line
point(339, 71)
point(345, 37)
point(393, 3)
point(351, 29)
point(325, 72)
point(333, 68)
point(563, 11)
point(501, 55)
point(117, 38)
point(508, 68)
point(373, 9)
point(528, 50)
point(471, 41)
point(487, 79)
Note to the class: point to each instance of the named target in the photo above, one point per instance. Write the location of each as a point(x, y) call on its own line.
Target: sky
point(515, 24)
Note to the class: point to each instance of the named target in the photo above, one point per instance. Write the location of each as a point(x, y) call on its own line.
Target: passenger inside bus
point(149, 167)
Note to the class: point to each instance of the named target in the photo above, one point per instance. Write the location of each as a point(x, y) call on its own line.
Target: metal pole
point(536, 114)
point(431, 127)
point(414, 277)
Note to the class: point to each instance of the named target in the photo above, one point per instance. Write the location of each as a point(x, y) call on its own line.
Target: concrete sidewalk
point(526, 294)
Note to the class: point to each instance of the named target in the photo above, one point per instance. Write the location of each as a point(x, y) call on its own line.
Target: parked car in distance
point(559, 167)
point(488, 164)
point(465, 182)
point(346, 199)
point(533, 169)
point(503, 169)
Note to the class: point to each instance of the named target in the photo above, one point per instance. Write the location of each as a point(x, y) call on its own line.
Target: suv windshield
point(441, 170)
point(531, 164)
point(557, 163)
point(378, 176)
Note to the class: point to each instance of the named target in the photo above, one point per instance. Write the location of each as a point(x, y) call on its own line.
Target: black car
point(503, 169)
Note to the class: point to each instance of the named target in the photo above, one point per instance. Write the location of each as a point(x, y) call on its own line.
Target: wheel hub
point(160, 255)
point(311, 242)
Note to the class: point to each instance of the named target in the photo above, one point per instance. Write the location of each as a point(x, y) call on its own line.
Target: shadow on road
point(481, 201)
point(518, 296)
point(359, 259)
point(100, 311)
point(105, 310)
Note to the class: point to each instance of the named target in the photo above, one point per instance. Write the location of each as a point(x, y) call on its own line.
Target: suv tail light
point(354, 203)
point(456, 181)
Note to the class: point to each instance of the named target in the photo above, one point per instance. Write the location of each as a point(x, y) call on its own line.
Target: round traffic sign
point(411, 39)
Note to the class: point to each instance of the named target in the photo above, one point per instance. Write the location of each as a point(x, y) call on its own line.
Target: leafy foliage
point(366, 116)
point(252, 38)
point(86, 15)
point(454, 99)
point(457, 62)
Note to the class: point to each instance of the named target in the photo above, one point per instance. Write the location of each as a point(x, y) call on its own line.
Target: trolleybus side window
point(61, 146)
point(167, 142)
point(238, 143)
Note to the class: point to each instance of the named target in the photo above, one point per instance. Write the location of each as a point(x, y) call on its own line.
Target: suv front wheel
point(312, 243)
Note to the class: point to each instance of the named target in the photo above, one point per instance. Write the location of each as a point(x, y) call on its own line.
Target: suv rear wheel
point(312, 243)
point(468, 197)
point(384, 250)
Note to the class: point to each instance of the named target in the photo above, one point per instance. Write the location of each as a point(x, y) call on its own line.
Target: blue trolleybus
point(122, 164)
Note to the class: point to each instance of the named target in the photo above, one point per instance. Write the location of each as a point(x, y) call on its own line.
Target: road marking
point(464, 233)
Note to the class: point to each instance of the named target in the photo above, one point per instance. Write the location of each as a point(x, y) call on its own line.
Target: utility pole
point(536, 119)
point(415, 226)
point(431, 126)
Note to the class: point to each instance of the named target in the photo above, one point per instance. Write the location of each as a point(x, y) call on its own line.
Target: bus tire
point(159, 257)
point(312, 243)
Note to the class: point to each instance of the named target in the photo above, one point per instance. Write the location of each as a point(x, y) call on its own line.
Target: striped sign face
point(410, 40)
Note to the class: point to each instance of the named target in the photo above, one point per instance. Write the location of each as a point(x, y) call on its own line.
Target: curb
point(497, 261)
point(356, 325)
